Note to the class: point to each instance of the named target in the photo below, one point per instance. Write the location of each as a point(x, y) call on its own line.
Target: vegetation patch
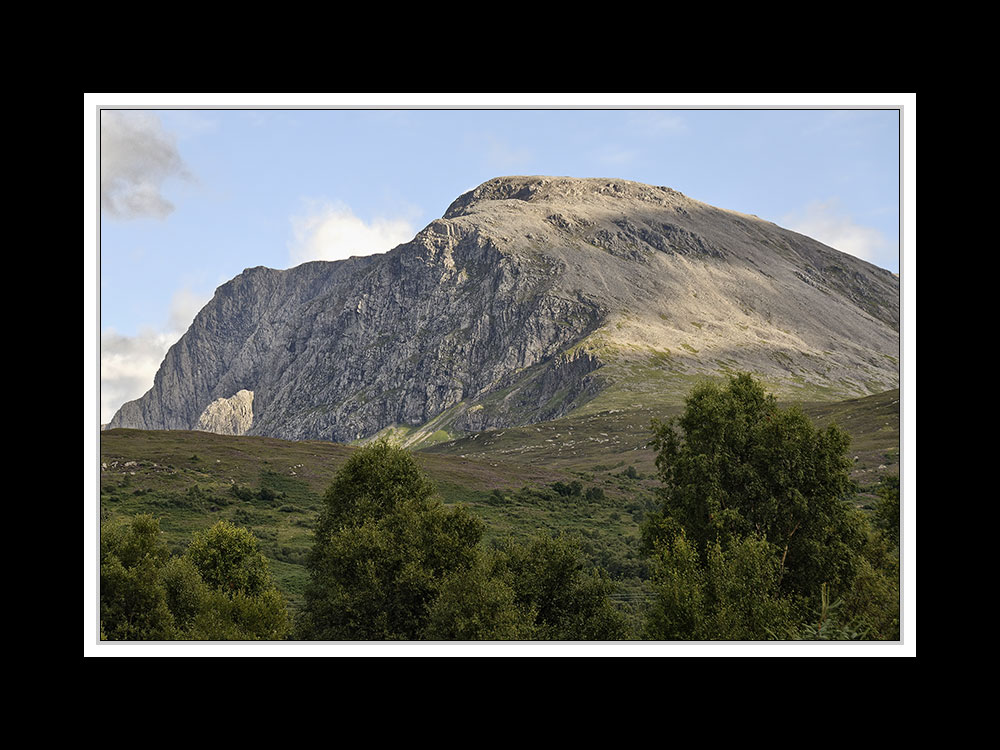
point(589, 479)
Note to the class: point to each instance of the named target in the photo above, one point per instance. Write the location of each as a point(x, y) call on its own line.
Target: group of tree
point(391, 562)
point(755, 539)
point(219, 589)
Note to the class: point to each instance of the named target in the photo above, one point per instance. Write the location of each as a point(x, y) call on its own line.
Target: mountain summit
point(529, 298)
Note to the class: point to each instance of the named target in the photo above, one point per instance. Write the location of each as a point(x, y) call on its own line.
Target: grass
point(190, 480)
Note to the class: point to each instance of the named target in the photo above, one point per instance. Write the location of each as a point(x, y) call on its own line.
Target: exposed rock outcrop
point(228, 416)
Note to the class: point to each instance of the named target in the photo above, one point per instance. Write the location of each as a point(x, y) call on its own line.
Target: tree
point(240, 600)
point(550, 578)
point(873, 598)
point(383, 550)
point(729, 594)
point(474, 605)
point(735, 465)
point(390, 562)
point(887, 509)
point(133, 596)
point(748, 486)
point(826, 624)
point(240, 617)
point(229, 559)
point(219, 590)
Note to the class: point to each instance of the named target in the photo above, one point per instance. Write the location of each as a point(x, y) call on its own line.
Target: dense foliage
point(218, 590)
point(729, 593)
point(392, 563)
point(755, 527)
point(754, 537)
point(570, 600)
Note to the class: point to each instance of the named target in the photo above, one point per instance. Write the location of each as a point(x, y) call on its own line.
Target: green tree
point(887, 509)
point(383, 550)
point(240, 600)
point(229, 559)
point(186, 592)
point(735, 465)
point(133, 596)
point(240, 617)
point(872, 602)
point(148, 595)
point(474, 605)
point(570, 601)
point(391, 562)
point(744, 483)
point(730, 594)
point(826, 624)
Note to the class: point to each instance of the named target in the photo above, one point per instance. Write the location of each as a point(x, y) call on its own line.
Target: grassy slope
point(186, 479)
point(607, 435)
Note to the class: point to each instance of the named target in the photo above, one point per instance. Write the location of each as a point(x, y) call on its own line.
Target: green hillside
point(597, 441)
point(589, 475)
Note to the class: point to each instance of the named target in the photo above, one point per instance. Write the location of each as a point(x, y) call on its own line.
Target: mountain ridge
point(530, 297)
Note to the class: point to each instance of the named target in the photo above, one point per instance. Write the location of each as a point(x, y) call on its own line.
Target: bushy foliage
point(726, 594)
point(242, 601)
point(873, 599)
point(568, 489)
point(217, 591)
point(133, 596)
point(229, 559)
point(241, 617)
point(754, 492)
point(390, 562)
point(887, 509)
point(828, 623)
point(473, 604)
point(382, 550)
point(734, 464)
point(550, 578)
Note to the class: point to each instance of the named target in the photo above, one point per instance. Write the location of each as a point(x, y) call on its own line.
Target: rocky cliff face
point(228, 416)
point(531, 296)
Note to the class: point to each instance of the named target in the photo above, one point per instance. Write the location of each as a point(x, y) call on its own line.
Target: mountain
point(531, 297)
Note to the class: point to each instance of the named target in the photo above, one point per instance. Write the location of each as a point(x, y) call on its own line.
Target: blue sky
point(191, 197)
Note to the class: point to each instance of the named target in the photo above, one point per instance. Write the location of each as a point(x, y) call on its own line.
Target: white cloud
point(827, 222)
point(129, 363)
point(137, 157)
point(331, 231)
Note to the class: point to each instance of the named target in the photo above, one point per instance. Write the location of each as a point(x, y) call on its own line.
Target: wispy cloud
point(137, 157)
point(827, 222)
point(329, 230)
point(129, 363)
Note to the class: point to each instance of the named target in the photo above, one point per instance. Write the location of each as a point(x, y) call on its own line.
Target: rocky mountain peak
point(539, 189)
point(531, 297)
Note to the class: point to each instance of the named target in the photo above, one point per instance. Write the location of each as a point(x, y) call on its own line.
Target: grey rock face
point(528, 298)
